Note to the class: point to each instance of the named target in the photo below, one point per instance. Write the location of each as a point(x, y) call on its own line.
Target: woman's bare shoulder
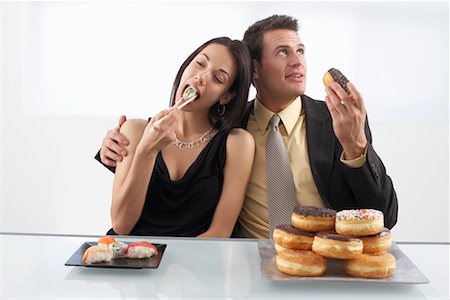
point(240, 139)
point(133, 129)
point(240, 135)
point(133, 124)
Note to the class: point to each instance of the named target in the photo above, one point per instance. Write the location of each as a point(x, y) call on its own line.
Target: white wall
point(69, 69)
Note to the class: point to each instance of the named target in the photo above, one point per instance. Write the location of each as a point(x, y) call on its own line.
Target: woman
point(187, 168)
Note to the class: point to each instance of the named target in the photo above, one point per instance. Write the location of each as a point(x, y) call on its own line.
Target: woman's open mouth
point(190, 94)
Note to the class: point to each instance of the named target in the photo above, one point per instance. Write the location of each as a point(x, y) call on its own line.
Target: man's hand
point(113, 145)
point(349, 117)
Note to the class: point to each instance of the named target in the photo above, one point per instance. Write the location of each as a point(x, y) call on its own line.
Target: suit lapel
point(321, 143)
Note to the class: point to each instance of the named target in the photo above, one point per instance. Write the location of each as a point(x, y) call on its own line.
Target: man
point(329, 143)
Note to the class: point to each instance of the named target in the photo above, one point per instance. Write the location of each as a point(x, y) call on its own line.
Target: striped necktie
point(281, 194)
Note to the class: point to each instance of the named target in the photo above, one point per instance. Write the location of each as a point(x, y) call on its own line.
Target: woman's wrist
point(146, 151)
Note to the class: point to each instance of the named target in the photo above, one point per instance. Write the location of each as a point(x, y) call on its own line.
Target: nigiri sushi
point(140, 250)
point(106, 241)
point(96, 254)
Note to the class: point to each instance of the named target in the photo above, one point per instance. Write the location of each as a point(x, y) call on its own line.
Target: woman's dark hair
point(253, 36)
point(241, 84)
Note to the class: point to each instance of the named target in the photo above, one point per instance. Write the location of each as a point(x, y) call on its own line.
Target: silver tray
point(405, 272)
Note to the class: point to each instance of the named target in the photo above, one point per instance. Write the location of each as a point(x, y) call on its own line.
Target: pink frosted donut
point(359, 222)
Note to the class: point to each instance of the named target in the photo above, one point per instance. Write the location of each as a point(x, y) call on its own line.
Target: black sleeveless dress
point(184, 207)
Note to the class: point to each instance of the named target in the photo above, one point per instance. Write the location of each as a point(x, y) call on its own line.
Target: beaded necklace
point(194, 144)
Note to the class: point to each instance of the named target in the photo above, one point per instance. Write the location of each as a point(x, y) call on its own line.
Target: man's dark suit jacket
point(339, 186)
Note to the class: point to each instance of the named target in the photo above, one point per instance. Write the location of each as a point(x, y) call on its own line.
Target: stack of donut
point(368, 225)
point(357, 236)
point(294, 242)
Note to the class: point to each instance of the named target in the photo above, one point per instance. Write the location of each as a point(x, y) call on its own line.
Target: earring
point(221, 108)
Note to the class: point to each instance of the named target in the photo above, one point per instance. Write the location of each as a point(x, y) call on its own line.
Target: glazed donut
point(379, 242)
point(313, 219)
point(359, 222)
point(301, 262)
point(289, 237)
point(333, 245)
point(336, 75)
point(371, 265)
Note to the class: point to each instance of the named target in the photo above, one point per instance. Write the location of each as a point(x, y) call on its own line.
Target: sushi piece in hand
point(106, 241)
point(118, 249)
point(189, 93)
point(140, 250)
point(96, 254)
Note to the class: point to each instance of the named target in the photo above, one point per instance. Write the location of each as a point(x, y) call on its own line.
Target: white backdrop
point(69, 69)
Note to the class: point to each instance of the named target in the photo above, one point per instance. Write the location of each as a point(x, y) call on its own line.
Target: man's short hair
point(253, 36)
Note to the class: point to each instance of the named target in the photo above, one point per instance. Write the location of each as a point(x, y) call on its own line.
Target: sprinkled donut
point(359, 222)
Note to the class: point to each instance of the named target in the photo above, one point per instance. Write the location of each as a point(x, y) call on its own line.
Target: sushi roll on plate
point(140, 250)
point(118, 249)
point(96, 254)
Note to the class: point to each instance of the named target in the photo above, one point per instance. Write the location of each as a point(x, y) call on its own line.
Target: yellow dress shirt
point(254, 215)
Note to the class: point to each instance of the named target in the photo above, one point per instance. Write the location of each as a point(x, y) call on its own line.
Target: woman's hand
point(159, 131)
point(133, 172)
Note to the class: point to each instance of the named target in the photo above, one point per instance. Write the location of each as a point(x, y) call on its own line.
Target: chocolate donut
point(313, 219)
point(336, 75)
point(331, 244)
point(376, 243)
point(289, 237)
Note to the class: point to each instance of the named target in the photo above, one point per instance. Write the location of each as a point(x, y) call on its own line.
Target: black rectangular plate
point(122, 263)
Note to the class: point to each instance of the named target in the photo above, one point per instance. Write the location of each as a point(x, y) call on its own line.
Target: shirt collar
point(288, 116)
